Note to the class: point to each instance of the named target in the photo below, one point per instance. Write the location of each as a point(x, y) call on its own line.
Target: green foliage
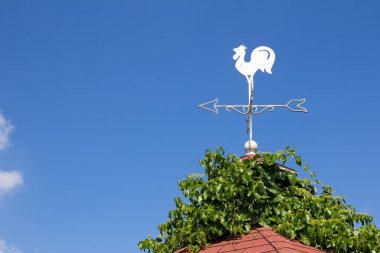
point(233, 195)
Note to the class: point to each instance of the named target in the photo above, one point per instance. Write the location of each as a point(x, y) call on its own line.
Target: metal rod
point(223, 106)
point(250, 101)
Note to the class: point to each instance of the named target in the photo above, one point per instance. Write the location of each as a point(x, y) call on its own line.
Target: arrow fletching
point(298, 107)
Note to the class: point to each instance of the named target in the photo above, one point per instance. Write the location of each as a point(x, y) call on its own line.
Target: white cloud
point(6, 248)
point(9, 180)
point(5, 130)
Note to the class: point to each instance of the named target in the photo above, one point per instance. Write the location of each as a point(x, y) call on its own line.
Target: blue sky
point(98, 101)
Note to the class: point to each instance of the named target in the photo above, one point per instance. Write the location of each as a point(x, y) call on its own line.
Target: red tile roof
point(259, 240)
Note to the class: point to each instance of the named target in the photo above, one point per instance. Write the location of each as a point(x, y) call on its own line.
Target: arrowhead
point(213, 108)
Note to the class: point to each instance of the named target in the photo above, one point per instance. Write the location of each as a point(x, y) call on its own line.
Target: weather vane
point(262, 58)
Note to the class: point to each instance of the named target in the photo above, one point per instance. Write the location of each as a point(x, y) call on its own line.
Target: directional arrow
point(294, 105)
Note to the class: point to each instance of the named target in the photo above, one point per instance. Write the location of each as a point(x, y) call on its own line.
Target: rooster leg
point(252, 85)
point(248, 79)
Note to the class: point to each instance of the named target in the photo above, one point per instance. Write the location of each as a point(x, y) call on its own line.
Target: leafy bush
point(234, 195)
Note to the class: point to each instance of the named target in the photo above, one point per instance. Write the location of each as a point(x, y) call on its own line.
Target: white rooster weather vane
point(262, 58)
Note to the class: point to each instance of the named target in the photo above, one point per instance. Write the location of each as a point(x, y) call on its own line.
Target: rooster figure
point(262, 58)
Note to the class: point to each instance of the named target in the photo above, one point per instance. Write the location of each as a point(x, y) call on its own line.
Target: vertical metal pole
point(250, 101)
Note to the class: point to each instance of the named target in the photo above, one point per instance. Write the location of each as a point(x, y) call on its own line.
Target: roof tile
point(259, 240)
